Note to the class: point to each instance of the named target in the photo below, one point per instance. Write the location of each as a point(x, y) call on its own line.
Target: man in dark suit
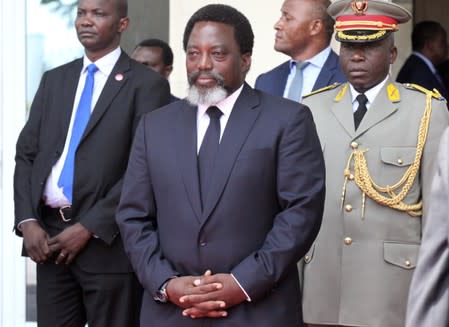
point(223, 192)
point(303, 33)
point(429, 45)
point(157, 55)
point(70, 161)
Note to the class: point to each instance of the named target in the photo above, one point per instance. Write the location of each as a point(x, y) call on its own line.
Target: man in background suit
point(428, 302)
point(67, 188)
point(157, 55)
point(429, 45)
point(303, 33)
point(379, 140)
point(223, 192)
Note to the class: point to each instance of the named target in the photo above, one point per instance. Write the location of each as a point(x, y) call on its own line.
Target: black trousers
point(67, 296)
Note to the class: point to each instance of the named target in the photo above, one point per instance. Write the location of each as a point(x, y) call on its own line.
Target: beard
point(207, 96)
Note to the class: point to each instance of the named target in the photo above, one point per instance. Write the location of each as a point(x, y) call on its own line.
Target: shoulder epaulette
point(435, 94)
point(329, 87)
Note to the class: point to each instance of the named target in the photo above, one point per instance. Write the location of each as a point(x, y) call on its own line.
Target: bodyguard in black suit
point(83, 274)
point(429, 44)
point(303, 33)
point(223, 192)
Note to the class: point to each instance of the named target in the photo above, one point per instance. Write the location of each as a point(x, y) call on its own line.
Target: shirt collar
point(426, 60)
point(106, 63)
point(371, 93)
point(318, 60)
point(225, 105)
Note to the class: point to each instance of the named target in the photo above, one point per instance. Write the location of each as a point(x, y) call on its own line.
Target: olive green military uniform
point(358, 271)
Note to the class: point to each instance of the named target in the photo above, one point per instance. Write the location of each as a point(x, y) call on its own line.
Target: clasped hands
point(205, 296)
point(41, 247)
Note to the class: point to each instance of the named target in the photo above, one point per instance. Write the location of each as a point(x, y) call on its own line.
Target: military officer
point(379, 140)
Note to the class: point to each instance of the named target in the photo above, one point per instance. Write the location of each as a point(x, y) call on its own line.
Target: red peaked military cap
point(360, 21)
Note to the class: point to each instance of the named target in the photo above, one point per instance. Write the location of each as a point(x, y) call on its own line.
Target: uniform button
point(203, 244)
point(348, 240)
point(306, 258)
point(348, 208)
point(354, 145)
point(400, 161)
point(408, 263)
point(351, 177)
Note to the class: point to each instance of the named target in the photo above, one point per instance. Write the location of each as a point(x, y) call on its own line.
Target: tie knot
point(92, 68)
point(214, 113)
point(362, 99)
point(302, 64)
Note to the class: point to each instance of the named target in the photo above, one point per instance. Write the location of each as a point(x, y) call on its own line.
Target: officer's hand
point(69, 243)
point(35, 241)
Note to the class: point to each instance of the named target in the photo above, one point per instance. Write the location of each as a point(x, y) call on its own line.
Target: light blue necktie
point(295, 91)
point(79, 125)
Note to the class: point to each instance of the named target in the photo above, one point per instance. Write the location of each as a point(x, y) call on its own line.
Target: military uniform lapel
point(186, 151)
point(384, 105)
point(342, 109)
point(239, 126)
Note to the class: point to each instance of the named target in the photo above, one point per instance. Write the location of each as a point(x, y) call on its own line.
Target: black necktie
point(361, 110)
point(208, 150)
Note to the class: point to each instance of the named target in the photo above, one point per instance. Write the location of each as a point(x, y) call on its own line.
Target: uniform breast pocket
point(398, 156)
point(403, 255)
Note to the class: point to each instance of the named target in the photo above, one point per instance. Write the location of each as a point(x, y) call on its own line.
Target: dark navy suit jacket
point(261, 214)
point(416, 71)
point(274, 81)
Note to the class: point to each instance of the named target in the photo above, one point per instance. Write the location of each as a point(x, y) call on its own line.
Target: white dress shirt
point(371, 94)
point(310, 72)
point(53, 195)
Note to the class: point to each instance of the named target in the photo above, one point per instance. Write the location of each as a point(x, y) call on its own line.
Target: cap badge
point(359, 7)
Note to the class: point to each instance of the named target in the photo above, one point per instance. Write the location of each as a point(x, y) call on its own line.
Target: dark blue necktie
point(82, 116)
point(208, 151)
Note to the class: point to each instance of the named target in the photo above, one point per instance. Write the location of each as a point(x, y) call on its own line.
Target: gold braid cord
point(389, 195)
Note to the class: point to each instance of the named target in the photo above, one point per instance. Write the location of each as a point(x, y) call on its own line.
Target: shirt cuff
point(243, 290)
point(19, 226)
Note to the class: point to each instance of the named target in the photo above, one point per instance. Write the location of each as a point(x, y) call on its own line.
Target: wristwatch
point(161, 293)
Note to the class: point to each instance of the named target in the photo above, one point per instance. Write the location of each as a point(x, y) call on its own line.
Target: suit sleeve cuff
point(243, 290)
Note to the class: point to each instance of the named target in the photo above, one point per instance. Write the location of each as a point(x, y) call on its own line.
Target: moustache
point(194, 76)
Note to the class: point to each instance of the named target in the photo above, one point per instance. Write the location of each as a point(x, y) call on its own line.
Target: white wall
point(12, 118)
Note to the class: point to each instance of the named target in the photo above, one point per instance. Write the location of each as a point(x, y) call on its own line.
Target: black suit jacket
point(416, 71)
point(275, 80)
point(261, 215)
point(101, 157)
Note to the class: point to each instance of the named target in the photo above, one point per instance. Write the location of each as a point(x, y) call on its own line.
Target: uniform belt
point(65, 213)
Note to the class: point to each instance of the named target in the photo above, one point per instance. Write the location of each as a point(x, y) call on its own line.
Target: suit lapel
point(111, 88)
point(380, 109)
point(326, 72)
point(186, 149)
point(68, 92)
point(280, 79)
point(239, 125)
